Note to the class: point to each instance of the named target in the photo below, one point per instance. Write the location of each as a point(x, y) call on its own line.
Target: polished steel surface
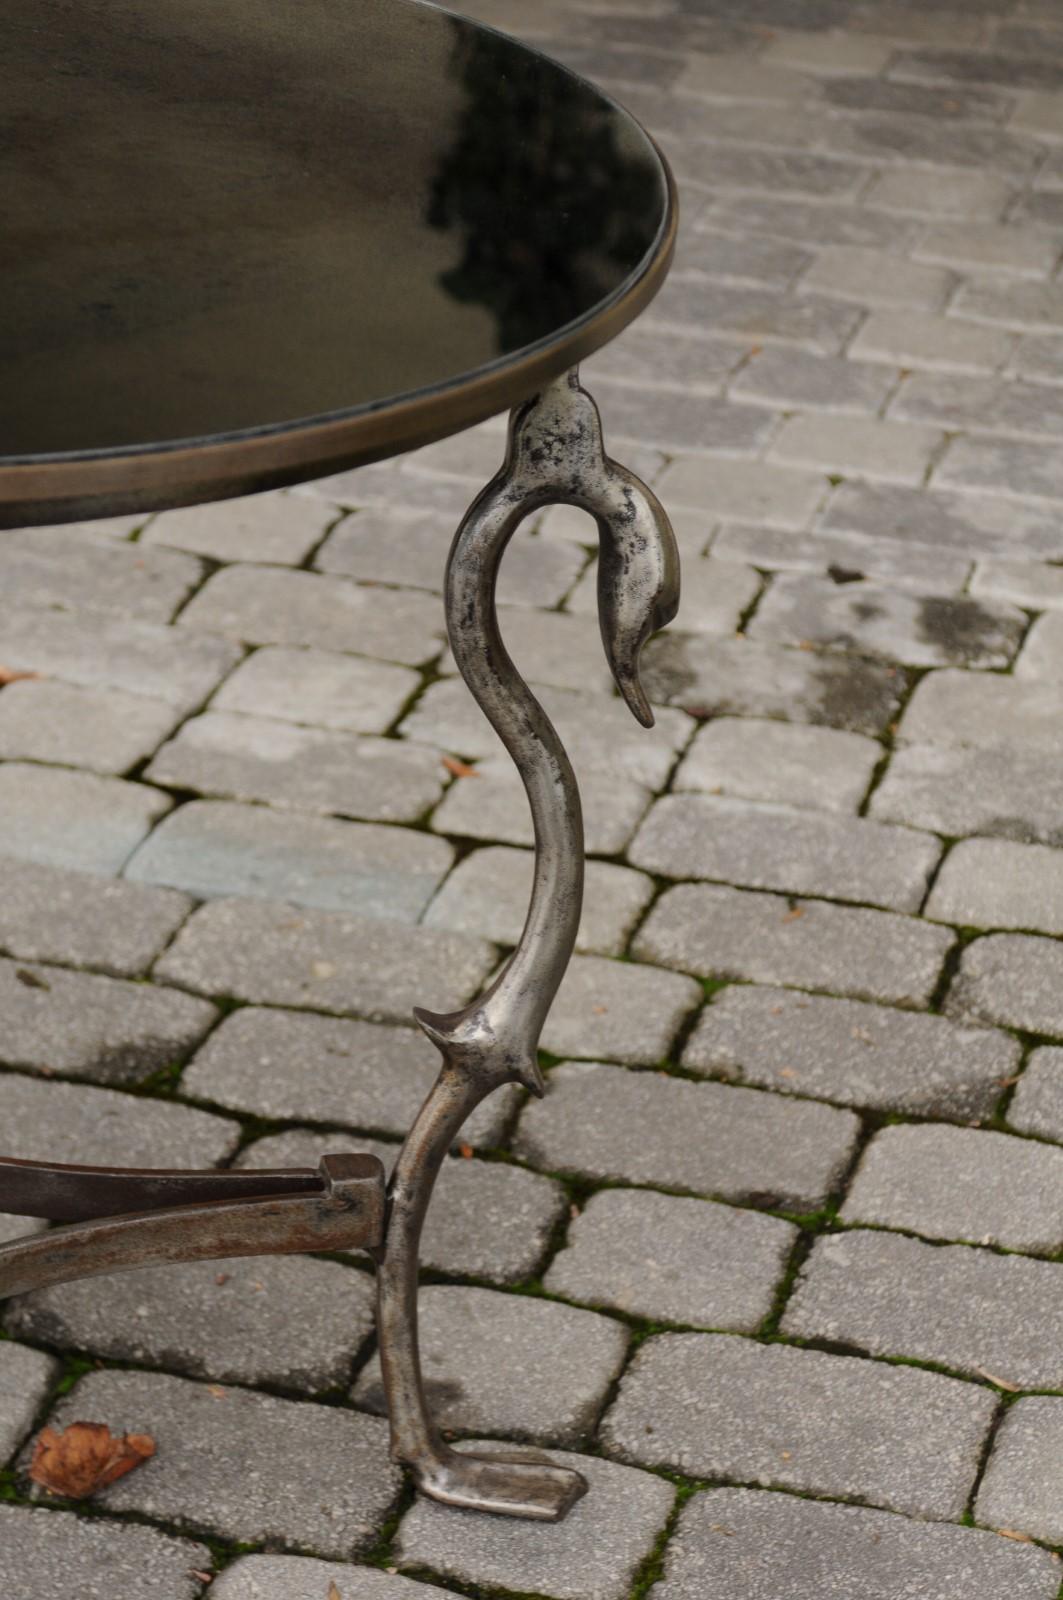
point(245, 244)
point(555, 454)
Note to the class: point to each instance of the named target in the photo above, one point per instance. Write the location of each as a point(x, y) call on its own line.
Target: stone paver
point(229, 756)
point(673, 1260)
point(350, 1074)
point(860, 447)
point(961, 523)
point(510, 1364)
point(856, 1054)
point(495, 807)
point(283, 955)
point(282, 1320)
point(79, 920)
point(720, 933)
point(766, 1546)
point(304, 1578)
point(488, 893)
point(319, 687)
point(1020, 1488)
point(271, 528)
point(72, 1122)
point(594, 1554)
point(920, 339)
point(825, 769)
point(961, 1183)
point(925, 631)
point(488, 1219)
point(741, 677)
point(107, 1029)
point(959, 708)
point(987, 1315)
point(26, 1376)
point(268, 605)
point(778, 847)
point(599, 1121)
point(1013, 980)
point(622, 1012)
point(68, 569)
point(239, 1465)
point(994, 883)
point(719, 1406)
point(77, 820)
point(105, 730)
point(54, 1555)
point(213, 848)
point(1002, 789)
point(1037, 1104)
point(1041, 657)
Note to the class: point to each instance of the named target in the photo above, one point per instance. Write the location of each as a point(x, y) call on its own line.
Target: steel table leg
point(554, 455)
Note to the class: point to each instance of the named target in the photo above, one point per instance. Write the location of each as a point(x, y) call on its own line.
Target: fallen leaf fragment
point(86, 1456)
point(465, 1152)
point(204, 1577)
point(793, 914)
point(333, 1593)
point(32, 980)
point(1001, 1383)
point(1012, 1533)
point(216, 1390)
point(13, 675)
point(459, 769)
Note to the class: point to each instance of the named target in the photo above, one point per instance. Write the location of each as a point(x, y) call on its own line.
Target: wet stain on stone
point(965, 631)
point(855, 694)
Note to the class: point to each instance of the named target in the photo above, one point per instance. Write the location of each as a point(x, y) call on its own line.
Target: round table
point(246, 244)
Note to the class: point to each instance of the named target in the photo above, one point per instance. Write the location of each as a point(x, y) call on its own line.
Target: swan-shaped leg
point(554, 455)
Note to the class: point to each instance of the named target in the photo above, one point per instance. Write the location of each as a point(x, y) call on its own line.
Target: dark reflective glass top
point(230, 215)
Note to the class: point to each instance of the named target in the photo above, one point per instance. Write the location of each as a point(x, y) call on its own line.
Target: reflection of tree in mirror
point(552, 210)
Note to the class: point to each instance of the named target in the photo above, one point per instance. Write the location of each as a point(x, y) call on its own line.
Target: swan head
point(638, 585)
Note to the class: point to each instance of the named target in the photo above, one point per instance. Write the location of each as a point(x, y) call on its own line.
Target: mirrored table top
point(246, 242)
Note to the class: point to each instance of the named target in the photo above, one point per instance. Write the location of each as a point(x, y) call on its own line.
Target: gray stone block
point(594, 1554)
point(744, 491)
point(861, 447)
point(822, 768)
point(319, 687)
point(845, 556)
point(1020, 1488)
point(274, 954)
point(269, 605)
point(981, 405)
point(601, 733)
point(1013, 980)
point(1036, 307)
point(988, 247)
point(488, 1219)
point(761, 846)
point(105, 730)
point(212, 848)
point(554, 648)
point(857, 1054)
point(803, 221)
point(274, 528)
point(666, 418)
point(78, 920)
point(741, 677)
point(1002, 466)
point(921, 339)
point(1001, 790)
point(12, 1227)
point(25, 1379)
point(510, 1364)
point(732, 1542)
point(291, 1066)
point(116, 653)
point(303, 1578)
point(961, 1183)
point(673, 1260)
point(74, 569)
point(963, 524)
point(993, 883)
point(101, 1028)
point(618, 1010)
point(715, 932)
point(765, 316)
point(964, 708)
point(284, 1320)
point(488, 893)
point(599, 1121)
point(854, 274)
point(55, 1555)
point(923, 631)
point(236, 757)
point(73, 1123)
point(987, 1315)
point(749, 258)
point(935, 194)
point(243, 1466)
point(77, 820)
point(1037, 1104)
point(643, 354)
point(1041, 656)
point(495, 806)
point(718, 1406)
point(797, 380)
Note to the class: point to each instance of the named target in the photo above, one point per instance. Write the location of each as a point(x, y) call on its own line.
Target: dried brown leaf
point(86, 1456)
point(459, 769)
point(1012, 1533)
point(1001, 1383)
point(13, 675)
point(333, 1593)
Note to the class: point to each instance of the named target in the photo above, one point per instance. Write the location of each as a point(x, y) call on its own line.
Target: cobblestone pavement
point(779, 1259)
